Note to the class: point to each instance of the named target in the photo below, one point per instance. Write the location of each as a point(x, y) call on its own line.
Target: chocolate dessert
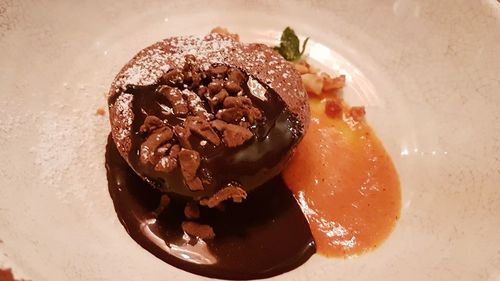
point(207, 118)
point(198, 158)
point(201, 129)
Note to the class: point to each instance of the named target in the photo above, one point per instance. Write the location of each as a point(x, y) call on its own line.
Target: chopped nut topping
point(218, 71)
point(215, 86)
point(231, 191)
point(176, 100)
point(190, 64)
point(168, 163)
point(173, 78)
point(195, 80)
point(236, 108)
point(190, 161)
point(202, 231)
point(183, 135)
point(152, 143)
point(236, 75)
point(213, 103)
point(239, 102)
point(218, 99)
point(219, 125)
point(195, 104)
point(234, 135)
point(201, 127)
point(232, 87)
point(202, 91)
point(151, 123)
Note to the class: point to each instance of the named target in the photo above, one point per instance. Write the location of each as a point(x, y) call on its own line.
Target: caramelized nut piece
point(236, 75)
point(215, 86)
point(190, 63)
point(173, 78)
point(183, 135)
point(202, 91)
point(168, 163)
point(174, 151)
point(153, 142)
point(194, 184)
point(196, 80)
point(236, 108)
point(219, 125)
point(240, 102)
point(254, 115)
point(218, 71)
point(202, 231)
point(190, 161)
point(233, 114)
point(235, 135)
point(151, 123)
point(232, 87)
point(162, 150)
point(201, 127)
point(217, 99)
point(176, 100)
point(195, 104)
point(231, 191)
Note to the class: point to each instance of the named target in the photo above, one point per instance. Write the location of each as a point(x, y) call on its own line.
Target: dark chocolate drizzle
point(251, 164)
point(264, 236)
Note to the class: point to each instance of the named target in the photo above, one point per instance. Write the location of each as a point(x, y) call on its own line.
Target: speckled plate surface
point(428, 72)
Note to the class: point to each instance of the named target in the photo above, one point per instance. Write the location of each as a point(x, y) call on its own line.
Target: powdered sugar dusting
point(257, 60)
point(211, 49)
point(146, 70)
point(124, 109)
point(151, 63)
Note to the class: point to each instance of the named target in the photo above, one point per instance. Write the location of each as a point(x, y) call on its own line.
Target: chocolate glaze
point(264, 236)
point(250, 165)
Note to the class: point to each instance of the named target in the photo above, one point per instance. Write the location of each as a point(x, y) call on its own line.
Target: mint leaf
point(290, 44)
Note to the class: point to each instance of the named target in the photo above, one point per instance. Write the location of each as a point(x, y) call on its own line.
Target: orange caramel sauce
point(345, 183)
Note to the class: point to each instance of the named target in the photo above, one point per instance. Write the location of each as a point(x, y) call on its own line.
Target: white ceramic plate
point(428, 72)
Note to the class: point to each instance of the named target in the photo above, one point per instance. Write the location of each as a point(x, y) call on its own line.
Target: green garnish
point(289, 45)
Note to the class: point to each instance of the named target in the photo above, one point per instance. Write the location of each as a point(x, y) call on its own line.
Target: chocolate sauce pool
point(264, 236)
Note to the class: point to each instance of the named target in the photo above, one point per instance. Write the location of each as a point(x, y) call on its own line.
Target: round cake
point(209, 118)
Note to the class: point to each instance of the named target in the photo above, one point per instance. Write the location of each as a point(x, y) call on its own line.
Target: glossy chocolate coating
point(250, 164)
